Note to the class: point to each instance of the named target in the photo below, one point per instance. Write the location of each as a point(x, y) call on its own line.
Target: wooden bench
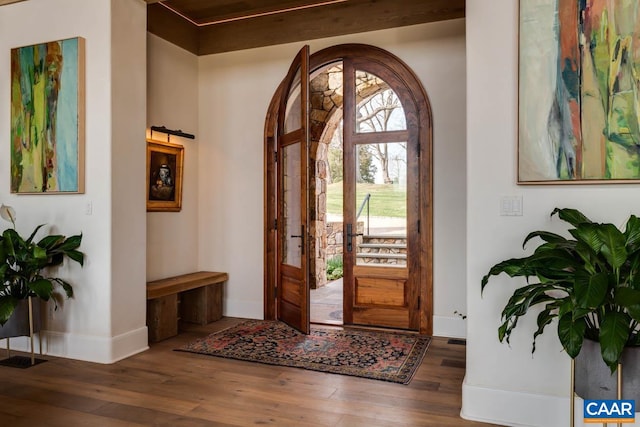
point(192, 298)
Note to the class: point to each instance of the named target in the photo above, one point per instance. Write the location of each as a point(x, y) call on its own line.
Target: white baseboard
point(451, 327)
point(517, 409)
point(85, 347)
point(243, 309)
point(512, 408)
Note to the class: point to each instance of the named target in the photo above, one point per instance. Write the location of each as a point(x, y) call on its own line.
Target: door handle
point(301, 237)
point(350, 236)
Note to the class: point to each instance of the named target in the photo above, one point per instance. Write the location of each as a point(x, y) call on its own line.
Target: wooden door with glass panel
point(292, 216)
point(381, 199)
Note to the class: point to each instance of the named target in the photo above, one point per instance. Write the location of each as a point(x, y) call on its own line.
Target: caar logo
point(609, 411)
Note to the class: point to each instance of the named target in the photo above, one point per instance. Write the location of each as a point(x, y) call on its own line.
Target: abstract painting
point(164, 176)
point(47, 117)
point(579, 77)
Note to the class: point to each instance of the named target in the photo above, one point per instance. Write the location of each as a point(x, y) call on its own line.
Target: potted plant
point(23, 263)
point(591, 284)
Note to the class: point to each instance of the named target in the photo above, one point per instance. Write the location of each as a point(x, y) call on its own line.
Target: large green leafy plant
point(590, 284)
point(22, 262)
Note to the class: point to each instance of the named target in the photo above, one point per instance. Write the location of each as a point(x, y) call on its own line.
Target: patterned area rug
point(385, 356)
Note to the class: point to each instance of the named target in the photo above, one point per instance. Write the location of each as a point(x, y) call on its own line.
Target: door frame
point(423, 109)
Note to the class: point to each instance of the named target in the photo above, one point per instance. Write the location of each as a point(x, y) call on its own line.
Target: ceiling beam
point(165, 24)
point(212, 14)
point(354, 16)
point(4, 2)
point(349, 17)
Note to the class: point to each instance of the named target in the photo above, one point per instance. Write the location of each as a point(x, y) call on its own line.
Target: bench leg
point(214, 302)
point(202, 305)
point(162, 317)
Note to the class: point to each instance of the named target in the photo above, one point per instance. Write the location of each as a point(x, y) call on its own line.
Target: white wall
point(234, 93)
point(505, 384)
point(128, 179)
point(172, 101)
point(83, 328)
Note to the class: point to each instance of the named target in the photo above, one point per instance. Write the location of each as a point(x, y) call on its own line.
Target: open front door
point(293, 177)
point(387, 208)
point(381, 251)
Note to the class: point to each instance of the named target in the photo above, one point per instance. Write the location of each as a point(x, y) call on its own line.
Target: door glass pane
point(293, 112)
point(379, 108)
point(381, 204)
point(292, 241)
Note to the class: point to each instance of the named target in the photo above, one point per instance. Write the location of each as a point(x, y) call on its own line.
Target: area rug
point(385, 356)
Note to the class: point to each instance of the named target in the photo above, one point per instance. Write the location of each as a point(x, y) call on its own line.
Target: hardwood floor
point(162, 387)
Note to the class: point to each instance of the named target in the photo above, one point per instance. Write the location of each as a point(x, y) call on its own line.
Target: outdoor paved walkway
point(326, 303)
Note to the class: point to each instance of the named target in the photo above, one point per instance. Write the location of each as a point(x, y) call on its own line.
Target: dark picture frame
point(164, 176)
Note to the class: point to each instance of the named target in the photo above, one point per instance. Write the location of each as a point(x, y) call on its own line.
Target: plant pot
point(18, 323)
point(594, 379)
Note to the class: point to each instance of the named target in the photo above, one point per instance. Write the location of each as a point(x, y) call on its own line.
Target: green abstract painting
point(47, 117)
point(579, 77)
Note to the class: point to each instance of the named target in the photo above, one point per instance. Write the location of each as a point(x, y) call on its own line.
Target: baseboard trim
point(85, 347)
point(513, 408)
point(451, 327)
point(243, 309)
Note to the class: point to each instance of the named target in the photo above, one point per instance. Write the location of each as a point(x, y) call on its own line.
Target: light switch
point(511, 206)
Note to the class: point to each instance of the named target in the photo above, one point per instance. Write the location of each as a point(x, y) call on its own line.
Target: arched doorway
point(399, 293)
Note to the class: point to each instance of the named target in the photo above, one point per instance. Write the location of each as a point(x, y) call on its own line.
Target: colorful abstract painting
point(579, 111)
point(47, 123)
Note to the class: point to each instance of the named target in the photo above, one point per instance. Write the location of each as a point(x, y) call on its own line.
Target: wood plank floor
point(161, 387)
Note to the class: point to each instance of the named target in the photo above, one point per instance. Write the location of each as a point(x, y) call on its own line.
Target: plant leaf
point(613, 247)
point(68, 290)
point(30, 239)
point(614, 333)
point(634, 312)
point(588, 234)
point(43, 288)
point(513, 267)
point(71, 243)
point(590, 290)
point(572, 216)
point(544, 235)
point(571, 333)
point(626, 297)
point(544, 318)
point(56, 259)
point(10, 240)
point(51, 241)
point(634, 270)
point(632, 233)
point(39, 253)
point(76, 256)
point(7, 306)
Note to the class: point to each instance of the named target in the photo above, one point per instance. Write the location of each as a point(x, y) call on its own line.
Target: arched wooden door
point(291, 156)
point(397, 296)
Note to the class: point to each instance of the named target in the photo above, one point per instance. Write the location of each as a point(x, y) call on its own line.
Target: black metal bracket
point(171, 132)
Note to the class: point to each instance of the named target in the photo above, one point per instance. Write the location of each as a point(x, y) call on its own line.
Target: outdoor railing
point(365, 201)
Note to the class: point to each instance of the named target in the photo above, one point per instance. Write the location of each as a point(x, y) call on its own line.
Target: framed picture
point(579, 111)
point(164, 176)
point(47, 117)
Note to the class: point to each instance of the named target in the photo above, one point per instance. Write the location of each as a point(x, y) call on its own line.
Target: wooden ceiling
point(213, 26)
